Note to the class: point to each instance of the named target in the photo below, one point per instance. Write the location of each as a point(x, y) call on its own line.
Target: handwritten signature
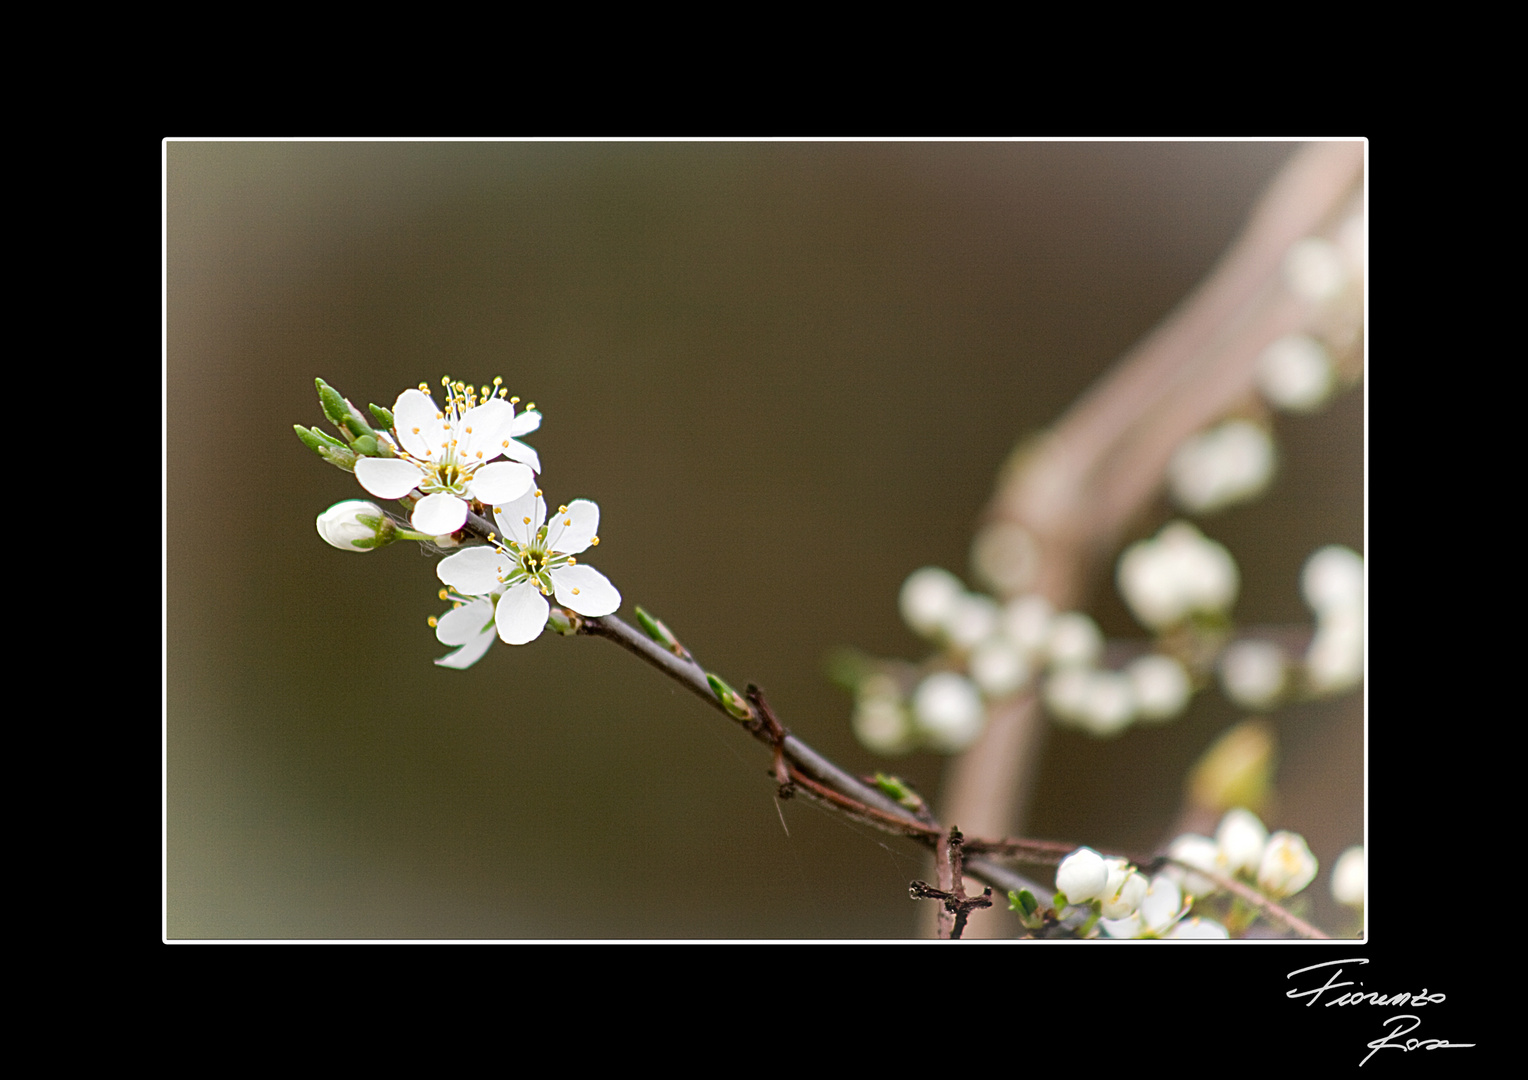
point(1400, 1025)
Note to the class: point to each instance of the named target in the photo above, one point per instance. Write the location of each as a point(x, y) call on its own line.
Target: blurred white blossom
point(927, 599)
point(1174, 574)
point(948, 711)
point(1287, 866)
point(1252, 673)
point(1348, 877)
point(1160, 686)
point(1313, 269)
point(1227, 464)
point(1295, 373)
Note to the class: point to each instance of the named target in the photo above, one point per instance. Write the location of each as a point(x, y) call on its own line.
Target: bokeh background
point(788, 374)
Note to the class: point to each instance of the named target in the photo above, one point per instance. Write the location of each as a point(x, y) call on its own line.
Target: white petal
point(511, 516)
point(472, 628)
point(522, 614)
point(460, 625)
point(387, 478)
point(468, 654)
point(500, 482)
point(585, 590)
point(414, 419)
point(475, 571)
point(520, 452)
point(486, 429)
point(570, 533)
point(526, 423)
point(439, 513)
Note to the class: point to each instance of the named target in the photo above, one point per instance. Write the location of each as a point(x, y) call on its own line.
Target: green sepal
point(1023, 902)
point(563, 622)
point(339, 457)
point(731, 700)
point(897, 788)
point(315, 440)
point(366, 446)
point(655, 629)
point(384, 417)
point(340, 412)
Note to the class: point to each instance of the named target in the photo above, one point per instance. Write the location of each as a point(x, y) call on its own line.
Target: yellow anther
point(416, 431)
point(529, 405)
point(480, 455)
point(526, 520)
point(575, 592)
point(594, 541)
point(444, 595)
point(514, 401)
point(433, 621)
point(467, 430)
point(498, 380)
point(505, 444)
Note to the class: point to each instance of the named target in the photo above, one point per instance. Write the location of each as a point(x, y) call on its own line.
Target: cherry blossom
point(535, 558)
point(448, 455)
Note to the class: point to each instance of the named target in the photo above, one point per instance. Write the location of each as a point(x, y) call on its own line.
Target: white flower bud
point(1075, 640)
point(998, 667)
point(972, 619)
point(1225, 465)
point(1333, 578)
point(1252, 673)
point(927, 598)
point(1240, 839)
point(1313, 269)
point(340, 528)
point(1335, 659)
point(1295, 373)
point(881, 726)
point(1160, 686)
point(1108, 704)
point(1195, 850)
point(1348, 877)
point(1288, 865)
point(1026, 621)
point(948, 711)
point(1124, 891)
point(1082, 875)
point(1174, 574)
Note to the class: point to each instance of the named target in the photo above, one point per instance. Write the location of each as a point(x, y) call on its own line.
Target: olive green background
point(788, 374)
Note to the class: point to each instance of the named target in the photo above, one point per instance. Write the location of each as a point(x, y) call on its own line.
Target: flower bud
point(1348, 877)
point(731, 700)
point(356, 525)
point(1240, 839)
point(1288, 865)
point(1082, 875)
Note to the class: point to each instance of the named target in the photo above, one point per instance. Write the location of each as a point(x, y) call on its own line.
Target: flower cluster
point(1280, 864)
point(445, 463)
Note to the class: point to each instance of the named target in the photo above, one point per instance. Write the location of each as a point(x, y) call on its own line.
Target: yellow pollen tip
point(443, 594)
point(594, 541)
point(514, 401)
point(526, 520)
point(575, 592)
point(433, 621)
point(538, 495)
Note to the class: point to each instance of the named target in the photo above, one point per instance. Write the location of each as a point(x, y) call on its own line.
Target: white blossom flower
point(1348, 877)
point(1176, 573)
point(948, 711)
point(1195, 850)
point(928, 597)
point(1160, 685)
point(536, 559)
point(341, 527)
point(1225, 465)
point(1082, 875)
point(449, 454)
point(1252, 672)
point(1240, 839)
point(469, 624)
point(1124, 891)
point(1295, 373)
point(1288, 865)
